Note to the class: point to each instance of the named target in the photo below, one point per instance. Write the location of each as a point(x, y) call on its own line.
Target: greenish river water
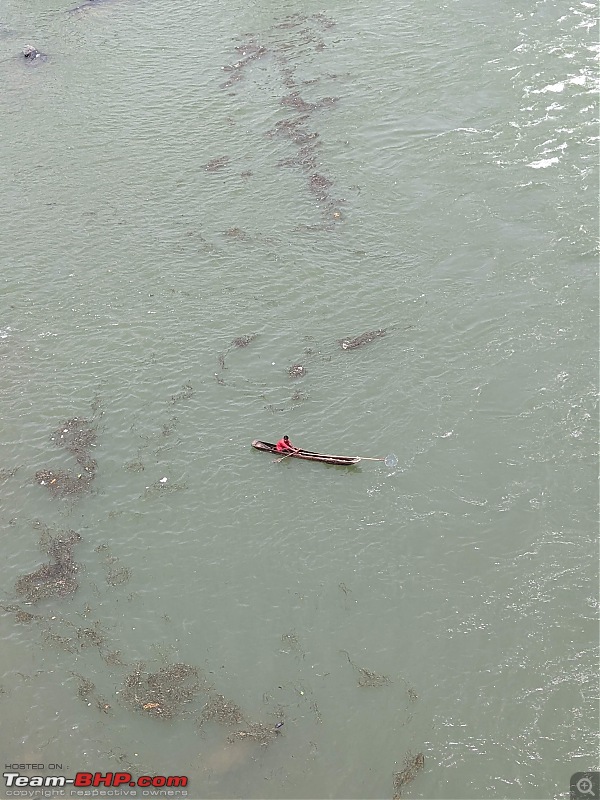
point(428, 169)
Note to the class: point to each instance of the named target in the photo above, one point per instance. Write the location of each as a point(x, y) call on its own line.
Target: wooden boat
point(307, 455)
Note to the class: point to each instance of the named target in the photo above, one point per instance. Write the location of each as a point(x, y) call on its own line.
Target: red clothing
point(284, 447)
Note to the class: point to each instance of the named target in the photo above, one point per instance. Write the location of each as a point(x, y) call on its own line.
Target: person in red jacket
point(285, 446)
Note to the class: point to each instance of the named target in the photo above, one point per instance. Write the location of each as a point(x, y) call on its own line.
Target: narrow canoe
point(307, 455)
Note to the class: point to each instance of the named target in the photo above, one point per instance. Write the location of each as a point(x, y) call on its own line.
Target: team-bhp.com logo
point(86, 784)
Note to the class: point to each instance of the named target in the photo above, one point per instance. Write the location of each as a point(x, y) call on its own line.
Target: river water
point(425, 169)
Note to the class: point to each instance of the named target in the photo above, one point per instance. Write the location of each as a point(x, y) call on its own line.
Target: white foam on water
point(544, 163)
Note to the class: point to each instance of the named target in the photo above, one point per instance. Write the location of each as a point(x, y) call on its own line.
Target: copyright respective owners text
point(94, 785)
point(46, 792)
point(585, 786)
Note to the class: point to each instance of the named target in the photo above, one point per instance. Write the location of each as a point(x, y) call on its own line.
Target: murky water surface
point(373, 229)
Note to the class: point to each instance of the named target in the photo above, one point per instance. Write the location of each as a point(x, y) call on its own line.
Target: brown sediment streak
point(364, 338)
point(217, 163)
point(285, 46)
point(412, 766)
